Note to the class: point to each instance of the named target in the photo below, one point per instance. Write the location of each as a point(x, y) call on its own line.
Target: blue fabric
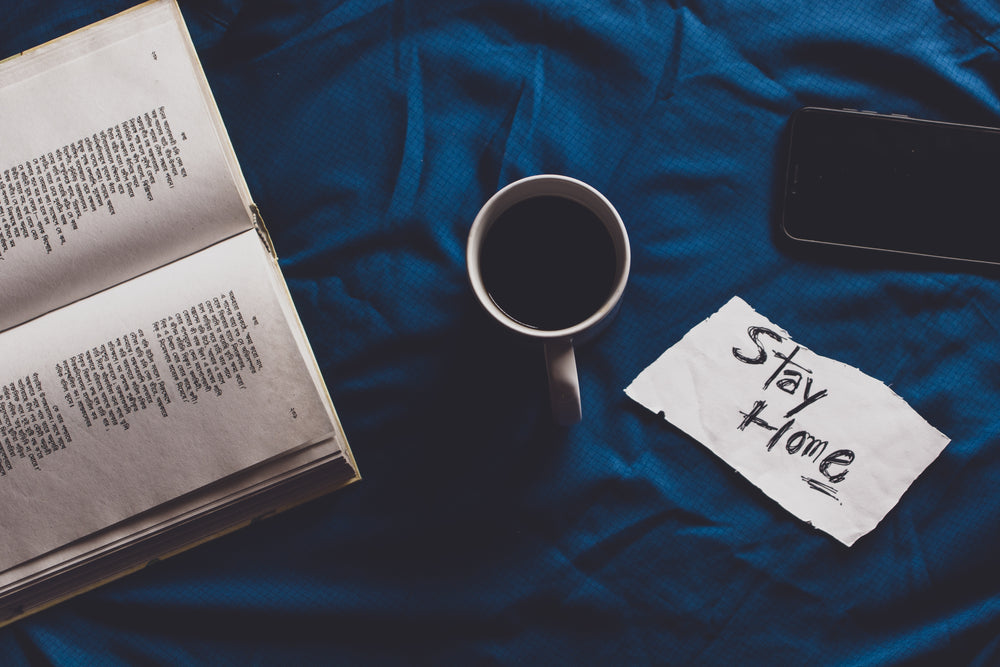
point(370, 133)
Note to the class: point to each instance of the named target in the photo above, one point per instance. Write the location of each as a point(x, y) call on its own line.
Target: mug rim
point(536, 186)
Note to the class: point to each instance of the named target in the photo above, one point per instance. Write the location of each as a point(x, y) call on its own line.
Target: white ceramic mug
point(564, 384)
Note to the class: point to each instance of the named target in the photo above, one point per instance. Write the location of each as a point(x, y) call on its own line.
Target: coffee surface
point(548, 262)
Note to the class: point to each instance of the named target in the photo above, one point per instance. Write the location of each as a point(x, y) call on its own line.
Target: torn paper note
point(833, 446)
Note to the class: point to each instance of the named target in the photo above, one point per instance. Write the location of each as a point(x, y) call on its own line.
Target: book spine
point(265, 236)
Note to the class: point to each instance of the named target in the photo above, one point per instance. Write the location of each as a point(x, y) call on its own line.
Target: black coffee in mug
point(548, 262)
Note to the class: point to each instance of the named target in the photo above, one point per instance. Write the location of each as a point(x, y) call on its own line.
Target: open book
point(156, 386)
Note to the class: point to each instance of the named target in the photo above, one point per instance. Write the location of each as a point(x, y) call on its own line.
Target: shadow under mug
point(564, 383)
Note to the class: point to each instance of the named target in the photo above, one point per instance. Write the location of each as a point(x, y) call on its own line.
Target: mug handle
point(564, 384)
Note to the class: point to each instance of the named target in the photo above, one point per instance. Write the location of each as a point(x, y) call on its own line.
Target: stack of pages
point(156, 386)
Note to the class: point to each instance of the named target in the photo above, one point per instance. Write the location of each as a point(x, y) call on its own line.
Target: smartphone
point(894, 183)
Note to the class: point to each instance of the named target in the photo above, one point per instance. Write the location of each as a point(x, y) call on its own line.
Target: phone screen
point(893, 183)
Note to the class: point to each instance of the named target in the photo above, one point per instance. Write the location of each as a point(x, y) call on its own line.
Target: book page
point(330, 455)
point(113, 161)
point(139, 394)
